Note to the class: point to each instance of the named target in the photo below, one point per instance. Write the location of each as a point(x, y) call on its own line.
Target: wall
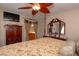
point(40, 31)
point(71, 18)
point(2, 28)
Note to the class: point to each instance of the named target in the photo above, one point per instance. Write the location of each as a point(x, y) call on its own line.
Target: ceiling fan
point(42, 7)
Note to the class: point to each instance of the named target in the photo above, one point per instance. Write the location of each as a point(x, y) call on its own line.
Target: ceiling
point(57, 8)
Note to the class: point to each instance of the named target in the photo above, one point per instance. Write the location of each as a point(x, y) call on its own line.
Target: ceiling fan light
point(36, 7)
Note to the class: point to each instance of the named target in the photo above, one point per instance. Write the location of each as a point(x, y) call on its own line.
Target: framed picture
point(11, 17)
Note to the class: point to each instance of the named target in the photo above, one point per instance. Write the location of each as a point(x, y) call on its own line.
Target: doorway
point(31, 29)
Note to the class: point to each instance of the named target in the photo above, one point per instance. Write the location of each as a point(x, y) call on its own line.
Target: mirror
point(56, 28)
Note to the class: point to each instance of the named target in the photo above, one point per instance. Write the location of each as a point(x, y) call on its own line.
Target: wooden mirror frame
point(55, 20)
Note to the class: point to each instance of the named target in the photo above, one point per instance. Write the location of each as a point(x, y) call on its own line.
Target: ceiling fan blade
point(34, 12)
point(28, 5)
point(44, 10)
point(25, 8)
point(31, 3)
point(45, 4)
point(49, 4)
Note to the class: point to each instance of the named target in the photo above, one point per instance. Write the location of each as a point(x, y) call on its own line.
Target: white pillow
point(77, 46)
point(68, 50)
point(72, 43)
point(78, 43)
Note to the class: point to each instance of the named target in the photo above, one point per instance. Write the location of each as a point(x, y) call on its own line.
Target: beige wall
point(2, 28)
point(71, 18)
point(40, 31)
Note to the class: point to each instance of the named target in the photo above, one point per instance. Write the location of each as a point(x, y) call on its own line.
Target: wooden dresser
point(13, 34)
point(32, 36)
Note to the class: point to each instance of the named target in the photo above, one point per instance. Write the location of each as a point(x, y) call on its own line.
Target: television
point(11, 17)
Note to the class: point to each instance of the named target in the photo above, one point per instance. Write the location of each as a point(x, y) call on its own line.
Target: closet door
point(13, 34)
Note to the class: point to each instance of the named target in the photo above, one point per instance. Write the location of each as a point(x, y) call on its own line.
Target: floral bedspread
point(38, 47)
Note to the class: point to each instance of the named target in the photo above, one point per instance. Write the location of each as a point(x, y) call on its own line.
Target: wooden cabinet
point(31, 36)
point(13, 34)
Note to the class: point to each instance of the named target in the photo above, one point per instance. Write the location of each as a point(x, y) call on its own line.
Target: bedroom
point(66, 12)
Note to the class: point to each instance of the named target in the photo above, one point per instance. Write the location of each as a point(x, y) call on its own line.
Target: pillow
point(68, 50)
point(71, 43)
point(77, 47)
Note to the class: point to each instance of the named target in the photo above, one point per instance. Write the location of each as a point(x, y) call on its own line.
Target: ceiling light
point(36, 7)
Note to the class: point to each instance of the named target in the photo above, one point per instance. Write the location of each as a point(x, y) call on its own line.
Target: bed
point(39, 47)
